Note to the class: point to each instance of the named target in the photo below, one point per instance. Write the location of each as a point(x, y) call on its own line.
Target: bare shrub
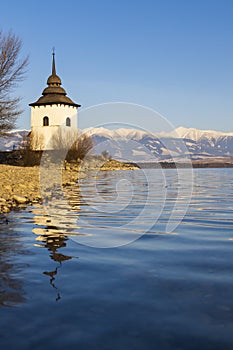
point(31, 149)
point(75, 144)
point(36, 141)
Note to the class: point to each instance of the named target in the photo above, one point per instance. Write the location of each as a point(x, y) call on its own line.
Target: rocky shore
point(20, 186)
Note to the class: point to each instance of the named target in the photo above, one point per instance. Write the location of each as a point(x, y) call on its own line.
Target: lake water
point(61, 289)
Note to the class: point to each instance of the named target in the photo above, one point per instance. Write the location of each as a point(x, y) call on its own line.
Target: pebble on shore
point(20, 186)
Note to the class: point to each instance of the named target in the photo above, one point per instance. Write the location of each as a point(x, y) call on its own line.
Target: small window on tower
point(46, 121)
point(68, 122)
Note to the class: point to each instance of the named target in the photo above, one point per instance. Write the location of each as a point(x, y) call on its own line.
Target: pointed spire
point(53, 63)
point(54, 93)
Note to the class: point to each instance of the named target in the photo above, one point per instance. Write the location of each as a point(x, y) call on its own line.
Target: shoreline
point(20, 186)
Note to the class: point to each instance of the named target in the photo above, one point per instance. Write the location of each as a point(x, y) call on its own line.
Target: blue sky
point(175, 56)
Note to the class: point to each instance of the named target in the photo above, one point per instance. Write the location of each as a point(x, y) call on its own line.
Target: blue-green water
point(159, 291)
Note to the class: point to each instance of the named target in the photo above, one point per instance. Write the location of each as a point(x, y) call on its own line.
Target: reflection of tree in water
point(11, 287)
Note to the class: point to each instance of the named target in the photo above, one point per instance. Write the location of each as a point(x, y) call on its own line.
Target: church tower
point(54, 110)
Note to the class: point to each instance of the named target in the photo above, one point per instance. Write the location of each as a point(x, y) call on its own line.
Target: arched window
point(46, 121)
point(68, 122)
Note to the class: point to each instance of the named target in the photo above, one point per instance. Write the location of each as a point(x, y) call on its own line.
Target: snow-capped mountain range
point(195, 134)
point(138, 145)
point(179, 144)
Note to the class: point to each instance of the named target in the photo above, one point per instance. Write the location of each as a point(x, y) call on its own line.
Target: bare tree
point(12, 71)
point(76, 145)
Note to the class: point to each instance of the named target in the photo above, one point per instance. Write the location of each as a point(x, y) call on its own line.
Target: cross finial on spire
point(53, 62)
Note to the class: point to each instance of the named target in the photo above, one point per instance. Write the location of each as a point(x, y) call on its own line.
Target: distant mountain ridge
point(140, 145)
point(195, 134)
point(182, 132)
point(177, 144)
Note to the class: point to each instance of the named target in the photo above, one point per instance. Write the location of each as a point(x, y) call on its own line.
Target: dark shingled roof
point(54, 93)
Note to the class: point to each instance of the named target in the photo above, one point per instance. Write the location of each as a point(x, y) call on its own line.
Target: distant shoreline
point(204, 163)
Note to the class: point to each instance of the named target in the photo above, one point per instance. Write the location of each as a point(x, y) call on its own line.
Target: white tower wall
point(57, 116)
point(56, 113)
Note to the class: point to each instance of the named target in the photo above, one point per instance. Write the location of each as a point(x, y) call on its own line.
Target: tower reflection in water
point(53, 231)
